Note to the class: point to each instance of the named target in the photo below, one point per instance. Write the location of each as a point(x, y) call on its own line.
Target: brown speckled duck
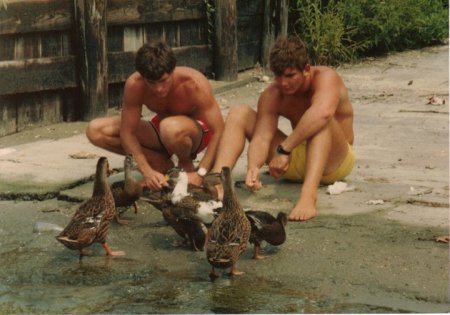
point(91, 220)
point(189, 210)
point(230, 231)
point(265, 227)
point(126, 192)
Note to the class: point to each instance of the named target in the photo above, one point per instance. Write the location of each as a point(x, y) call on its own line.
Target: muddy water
point(329, 265)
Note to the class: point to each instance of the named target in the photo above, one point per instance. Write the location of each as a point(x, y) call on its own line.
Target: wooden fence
point(67, 60)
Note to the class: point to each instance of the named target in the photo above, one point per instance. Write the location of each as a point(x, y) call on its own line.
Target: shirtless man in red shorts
point(187, 120)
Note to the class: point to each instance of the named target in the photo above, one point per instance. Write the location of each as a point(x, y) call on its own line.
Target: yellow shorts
point(296, 170)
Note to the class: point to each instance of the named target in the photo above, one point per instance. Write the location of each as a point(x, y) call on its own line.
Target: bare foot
point(305, 209)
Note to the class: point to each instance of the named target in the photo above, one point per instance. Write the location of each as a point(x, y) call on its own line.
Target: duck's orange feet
point(235, 272)
point(179, 243)
point(84, 252)
point(257, 255)
point(112, 253)
point(213, 275)
point(121, 221)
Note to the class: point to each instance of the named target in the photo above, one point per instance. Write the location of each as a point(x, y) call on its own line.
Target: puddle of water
point(103, 285)
point(39, 275)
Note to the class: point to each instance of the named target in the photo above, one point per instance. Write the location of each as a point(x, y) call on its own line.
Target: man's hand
point(155, 180)
point(252, 180)
point(194, 179)
point(279, 165)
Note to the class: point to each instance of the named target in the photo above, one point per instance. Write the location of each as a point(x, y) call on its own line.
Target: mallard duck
point(92, 218)
point(265, 227)
point(189, 210)
point(126, 192)
point(230, 231)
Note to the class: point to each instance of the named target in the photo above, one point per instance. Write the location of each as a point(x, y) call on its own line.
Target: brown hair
point(288, 52)
point(153, 60)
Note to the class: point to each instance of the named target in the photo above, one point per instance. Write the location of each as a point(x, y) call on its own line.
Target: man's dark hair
point(153, 60)
point(288, 52)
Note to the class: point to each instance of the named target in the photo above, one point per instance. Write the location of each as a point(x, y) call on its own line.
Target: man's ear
point(306, 70)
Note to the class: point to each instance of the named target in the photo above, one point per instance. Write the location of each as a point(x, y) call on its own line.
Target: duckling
point(189, 210)
point(230, 231)
point(126, 192)
point(265, 227)
point(91, 220)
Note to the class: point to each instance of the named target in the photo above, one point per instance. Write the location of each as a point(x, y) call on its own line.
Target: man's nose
point(283, 82)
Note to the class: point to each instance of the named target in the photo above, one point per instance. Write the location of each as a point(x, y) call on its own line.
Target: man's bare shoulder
point(270, 98)
point(272, 92)
point(191, 84)
point(190, 77)
point(135, 81)
point(325, 76)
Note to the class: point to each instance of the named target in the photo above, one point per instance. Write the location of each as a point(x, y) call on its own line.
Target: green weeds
point(341, 30)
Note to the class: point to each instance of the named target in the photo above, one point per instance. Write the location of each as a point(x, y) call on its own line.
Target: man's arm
point(324, 101)
point(209, 111)
point(130, 119)
point(265, 129)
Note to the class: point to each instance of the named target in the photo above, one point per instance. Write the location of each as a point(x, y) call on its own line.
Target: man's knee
point(175, 135)
point(172, 130)
point(239, 114)
point(94, 131)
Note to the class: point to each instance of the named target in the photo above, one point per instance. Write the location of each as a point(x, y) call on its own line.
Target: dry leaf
point(442, 239)
point(83, 155)
point(434, 100)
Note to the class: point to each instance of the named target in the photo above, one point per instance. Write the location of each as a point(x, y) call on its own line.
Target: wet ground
point(356, 256)
point(332, 264)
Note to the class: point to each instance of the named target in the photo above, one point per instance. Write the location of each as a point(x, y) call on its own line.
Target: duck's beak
point(166, 179)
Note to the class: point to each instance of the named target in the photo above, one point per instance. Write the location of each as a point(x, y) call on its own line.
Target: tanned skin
point(179, 97)
point(316, 102)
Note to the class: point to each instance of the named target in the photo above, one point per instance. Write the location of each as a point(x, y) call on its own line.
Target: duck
point(126, 192)
point(229, 233)
point(189, 210)
point(265, 227)
point(91, 220)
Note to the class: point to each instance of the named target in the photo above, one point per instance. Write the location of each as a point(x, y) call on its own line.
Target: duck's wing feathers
point(226, 243)
point(118, 185)
point(201, 193)
point(267, 227)
point(84, 225)
point(259, 219)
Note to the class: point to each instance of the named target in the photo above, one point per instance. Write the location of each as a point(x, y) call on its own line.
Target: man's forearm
point(257, 154)
point(309, 125)
point(208, 158)
point(132, 146)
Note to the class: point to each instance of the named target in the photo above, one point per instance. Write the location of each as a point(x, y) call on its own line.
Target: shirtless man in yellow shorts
point(187, 120)
point(316, 102)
